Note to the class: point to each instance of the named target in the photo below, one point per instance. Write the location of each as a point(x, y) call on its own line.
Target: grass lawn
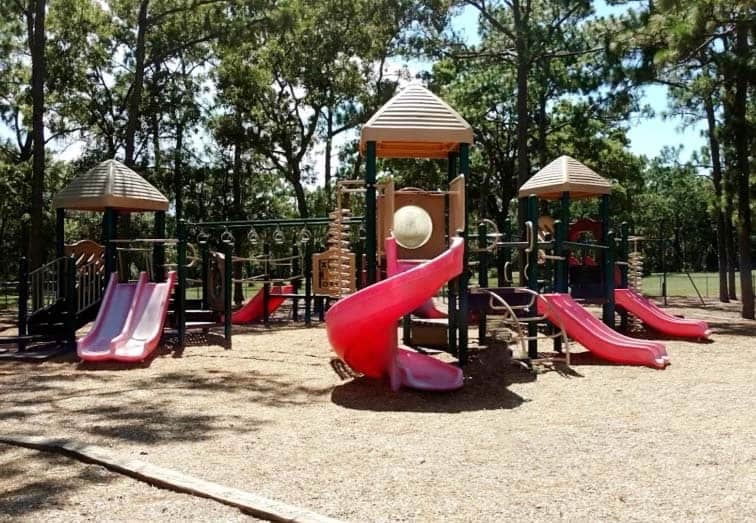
point(679, 284)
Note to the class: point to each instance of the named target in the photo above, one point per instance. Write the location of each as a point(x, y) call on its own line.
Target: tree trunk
point(716, 176)
point(135, 99)
point(740, 128)
point(523, 162)
point(296, 181)
point(37, 48)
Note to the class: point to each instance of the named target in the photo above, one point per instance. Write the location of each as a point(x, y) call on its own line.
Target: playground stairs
point(55, 301)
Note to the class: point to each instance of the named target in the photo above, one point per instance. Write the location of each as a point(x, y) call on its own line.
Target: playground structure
point(404, 243)
point(540, 308)
point(63, 295)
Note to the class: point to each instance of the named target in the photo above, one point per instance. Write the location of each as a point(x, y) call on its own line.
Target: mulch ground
point(593, 442)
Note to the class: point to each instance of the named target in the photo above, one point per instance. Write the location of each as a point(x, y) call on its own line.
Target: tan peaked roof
point(110, 184)
point(415, 124)
point(565, 174)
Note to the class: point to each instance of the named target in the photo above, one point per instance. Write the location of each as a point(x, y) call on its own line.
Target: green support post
point(505, 254)
point(295, 283)
point(482, 274)
point(228, 253)
point(23, 294)
point(560, 233)
point(608, 311)
point(370, 201)
point(158, 250)
point(564, 217)
point(624, 252)
point(180, 291)
point(608, 262)
point(452, 286)
point(60, 227)
point(60, 242)
point(108, 234)
point(532, 271)
point(451, 173)
point(266, 299)
point(308, 284)
point(559, 269)
point(71, 299)
point(205, 253)
point(464, 169)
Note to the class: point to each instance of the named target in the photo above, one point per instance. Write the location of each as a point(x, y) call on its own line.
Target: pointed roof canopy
point(565, 174)
point(110, 184)
point(415, 124)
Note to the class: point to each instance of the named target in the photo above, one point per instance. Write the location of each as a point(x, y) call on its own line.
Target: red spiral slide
point(362, 327)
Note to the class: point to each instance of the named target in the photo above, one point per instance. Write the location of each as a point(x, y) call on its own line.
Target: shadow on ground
point(24, 493)
point(488, 375)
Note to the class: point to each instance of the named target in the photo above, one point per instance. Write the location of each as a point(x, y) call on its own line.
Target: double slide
point(130, 321)
point(362, 327)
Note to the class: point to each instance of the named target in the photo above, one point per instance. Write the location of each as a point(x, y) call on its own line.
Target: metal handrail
point(89, 286)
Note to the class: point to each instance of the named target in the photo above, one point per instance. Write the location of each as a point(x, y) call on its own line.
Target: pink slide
point(604, 342)
point(253, 309)
point(362, 326)
point(129, 322)
point(111, 317)
point(656, 318)
point(144, 326)
point(427, 310)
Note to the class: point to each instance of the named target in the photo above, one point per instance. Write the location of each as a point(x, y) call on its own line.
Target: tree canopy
point(251, 108)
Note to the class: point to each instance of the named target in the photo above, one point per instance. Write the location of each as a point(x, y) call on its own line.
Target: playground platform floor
point(595, 442)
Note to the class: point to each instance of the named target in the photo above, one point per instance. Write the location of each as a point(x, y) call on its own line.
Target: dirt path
point(270, 416)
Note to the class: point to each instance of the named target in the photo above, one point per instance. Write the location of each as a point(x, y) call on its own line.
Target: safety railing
point(89, 285)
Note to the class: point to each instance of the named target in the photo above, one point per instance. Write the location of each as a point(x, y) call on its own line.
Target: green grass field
point(679, 284)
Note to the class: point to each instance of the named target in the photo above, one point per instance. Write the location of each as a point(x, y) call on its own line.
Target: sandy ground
point(596, 442)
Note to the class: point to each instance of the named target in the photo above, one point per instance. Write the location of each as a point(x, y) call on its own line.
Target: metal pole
point(624, 254)
point(107, 235)
point(180, 292)
point(565, 218)
point(71, 302)
point(23, 294)
point(532, 272)
point(608, 259)
point(370, 225)
point(60, 227)
point(158, 250)
point(464, 278)
point(609, 280)
point(308, 284)
point(205, 250)
point(482, 274)
point(560, 274)
point(228, 252)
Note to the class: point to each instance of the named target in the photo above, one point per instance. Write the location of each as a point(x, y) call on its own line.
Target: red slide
point(394, 266)
point(362, 326)
point(659, 320)
point(253, 309)
point(604, 342)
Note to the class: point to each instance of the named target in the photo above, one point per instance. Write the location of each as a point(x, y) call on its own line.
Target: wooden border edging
point(172, 480)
